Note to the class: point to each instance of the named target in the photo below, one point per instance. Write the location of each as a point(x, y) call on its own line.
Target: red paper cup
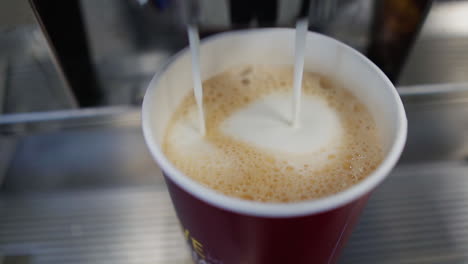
point(222, 229)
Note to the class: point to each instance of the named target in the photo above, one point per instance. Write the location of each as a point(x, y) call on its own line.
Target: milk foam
point(251, 151)
point(266, 124)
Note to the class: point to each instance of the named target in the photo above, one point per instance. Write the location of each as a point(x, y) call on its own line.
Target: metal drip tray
point(80, 187)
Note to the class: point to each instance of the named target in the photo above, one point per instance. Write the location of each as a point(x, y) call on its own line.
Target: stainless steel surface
point(81, 187)
point(440, 54)
point(3, 73)
point(31, 81)
point(419, 215)
point(92, 149)
point(437, 122)
point(128, 225)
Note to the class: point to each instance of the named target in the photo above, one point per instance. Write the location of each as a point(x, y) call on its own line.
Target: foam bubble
point(263, 160)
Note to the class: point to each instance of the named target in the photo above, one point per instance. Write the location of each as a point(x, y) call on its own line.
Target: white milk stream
point(299, 52)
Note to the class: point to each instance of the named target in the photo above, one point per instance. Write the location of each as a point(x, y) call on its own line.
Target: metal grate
point(419, 215)
point(132, 225)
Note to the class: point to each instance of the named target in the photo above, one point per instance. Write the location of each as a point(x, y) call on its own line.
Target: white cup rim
point(276, 210)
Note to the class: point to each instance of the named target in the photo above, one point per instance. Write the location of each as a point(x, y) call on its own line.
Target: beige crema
point(251, 151)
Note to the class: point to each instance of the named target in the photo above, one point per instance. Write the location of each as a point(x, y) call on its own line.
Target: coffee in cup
point(250, 149)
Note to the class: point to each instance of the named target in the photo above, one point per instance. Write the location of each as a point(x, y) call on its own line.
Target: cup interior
point(276, 47)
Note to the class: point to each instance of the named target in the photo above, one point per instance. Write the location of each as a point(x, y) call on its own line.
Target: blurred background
point(57, 55)
point(77, 184)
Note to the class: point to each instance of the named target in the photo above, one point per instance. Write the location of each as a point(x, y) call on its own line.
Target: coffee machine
point(77, 184)
point(108, 50)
